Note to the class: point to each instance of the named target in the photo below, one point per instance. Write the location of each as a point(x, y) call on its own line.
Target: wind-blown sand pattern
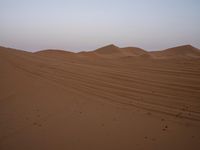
point(108, 99)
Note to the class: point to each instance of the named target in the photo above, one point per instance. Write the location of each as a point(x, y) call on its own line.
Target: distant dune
point(186, 51)
point(111, 98)
point(112, 51)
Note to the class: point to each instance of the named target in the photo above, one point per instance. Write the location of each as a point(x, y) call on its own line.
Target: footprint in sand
point(165, 128)
point(37, 124)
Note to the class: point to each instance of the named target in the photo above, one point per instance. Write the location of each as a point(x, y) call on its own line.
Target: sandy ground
point(109, 99)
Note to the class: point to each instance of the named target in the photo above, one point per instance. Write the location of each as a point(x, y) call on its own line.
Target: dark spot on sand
point(183, 109)
point(37, 124)
point(149, 113)
point(178, 115)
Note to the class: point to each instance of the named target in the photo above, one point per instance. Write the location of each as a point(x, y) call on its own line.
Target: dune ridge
point(112, 51)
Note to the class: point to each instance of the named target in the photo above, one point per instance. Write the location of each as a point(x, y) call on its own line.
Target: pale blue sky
point(88, 24)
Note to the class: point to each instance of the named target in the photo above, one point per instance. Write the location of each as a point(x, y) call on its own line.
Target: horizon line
point(114, 45)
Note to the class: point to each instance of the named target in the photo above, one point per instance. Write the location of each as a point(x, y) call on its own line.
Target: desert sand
point(108, 99)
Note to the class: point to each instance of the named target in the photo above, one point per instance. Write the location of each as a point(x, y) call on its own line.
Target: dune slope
point(111, 98)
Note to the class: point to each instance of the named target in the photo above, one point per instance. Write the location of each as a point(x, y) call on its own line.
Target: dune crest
point(112, 51)
point(185, 51)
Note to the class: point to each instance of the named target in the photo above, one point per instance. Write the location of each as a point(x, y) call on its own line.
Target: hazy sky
point(88, 24)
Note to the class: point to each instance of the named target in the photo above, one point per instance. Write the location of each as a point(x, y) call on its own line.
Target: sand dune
point(112, 52)
point(186, 51)
point(108, 99)
point(54, 53)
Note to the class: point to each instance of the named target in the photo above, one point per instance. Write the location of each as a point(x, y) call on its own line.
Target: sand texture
point(108, 99)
